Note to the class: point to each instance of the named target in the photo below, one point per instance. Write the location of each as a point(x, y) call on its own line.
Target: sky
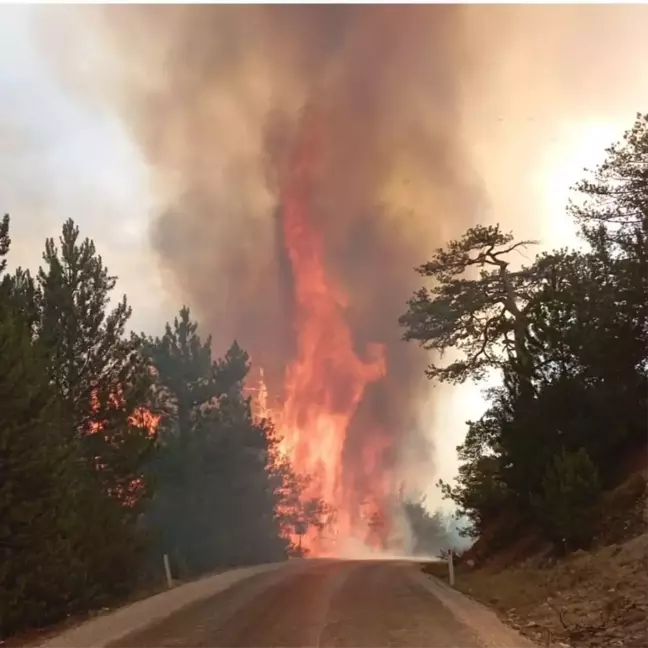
point(555, 96)
point(61, 159)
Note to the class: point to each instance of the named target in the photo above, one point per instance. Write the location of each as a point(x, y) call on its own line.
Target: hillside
point(588, 598)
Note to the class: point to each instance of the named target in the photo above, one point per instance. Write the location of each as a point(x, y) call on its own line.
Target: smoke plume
point(217, 117)
point(414, 105)
point(216, 97)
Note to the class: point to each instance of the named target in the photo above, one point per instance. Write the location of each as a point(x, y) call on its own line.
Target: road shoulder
point(483, 621)
point(110, 628)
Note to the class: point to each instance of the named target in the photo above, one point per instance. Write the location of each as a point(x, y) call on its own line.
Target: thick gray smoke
point(214, 97)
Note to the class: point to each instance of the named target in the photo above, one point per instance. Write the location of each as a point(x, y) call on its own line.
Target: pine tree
point(39, 522)
point(429, 531)
point(99, 374)
point(483, 317)
point(215, 500)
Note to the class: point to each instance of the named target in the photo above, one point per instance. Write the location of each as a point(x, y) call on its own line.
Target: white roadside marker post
point(167, 571)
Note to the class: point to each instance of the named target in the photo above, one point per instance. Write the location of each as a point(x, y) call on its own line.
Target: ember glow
point(140, 417)
point(128, 494)
point(144, 418)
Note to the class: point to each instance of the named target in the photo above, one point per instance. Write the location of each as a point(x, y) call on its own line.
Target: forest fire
point(295, 234)
point(140, 417)
point(128, 494)
point(143, 418)
point(325, 382)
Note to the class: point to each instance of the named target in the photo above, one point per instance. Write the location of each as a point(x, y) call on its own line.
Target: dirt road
point(331, 603)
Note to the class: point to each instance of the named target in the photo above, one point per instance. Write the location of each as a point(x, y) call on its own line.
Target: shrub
point(567, 507)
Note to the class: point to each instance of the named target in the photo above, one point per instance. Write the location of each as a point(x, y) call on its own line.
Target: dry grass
point(597, 598)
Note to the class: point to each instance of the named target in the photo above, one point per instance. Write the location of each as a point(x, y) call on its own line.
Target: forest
point(118, 448)
point(567, 336)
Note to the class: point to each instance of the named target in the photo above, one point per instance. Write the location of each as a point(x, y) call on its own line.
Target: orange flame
point(141, 418)
point(326, 381)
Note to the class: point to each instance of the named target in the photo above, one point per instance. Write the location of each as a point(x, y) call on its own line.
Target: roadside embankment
point(588, 599)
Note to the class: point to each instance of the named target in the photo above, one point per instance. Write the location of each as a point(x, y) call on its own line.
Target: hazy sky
point(61, 159)
point(552, 95)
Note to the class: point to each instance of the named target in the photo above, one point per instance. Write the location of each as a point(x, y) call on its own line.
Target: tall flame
point(326, 381)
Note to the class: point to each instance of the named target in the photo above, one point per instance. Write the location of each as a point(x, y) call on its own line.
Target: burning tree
point(326, 381)
point(215, 501)
point(100, 375)
point(100, 380)
point(73, 395)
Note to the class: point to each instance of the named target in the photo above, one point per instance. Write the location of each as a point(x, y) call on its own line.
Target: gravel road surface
point(331, 603)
